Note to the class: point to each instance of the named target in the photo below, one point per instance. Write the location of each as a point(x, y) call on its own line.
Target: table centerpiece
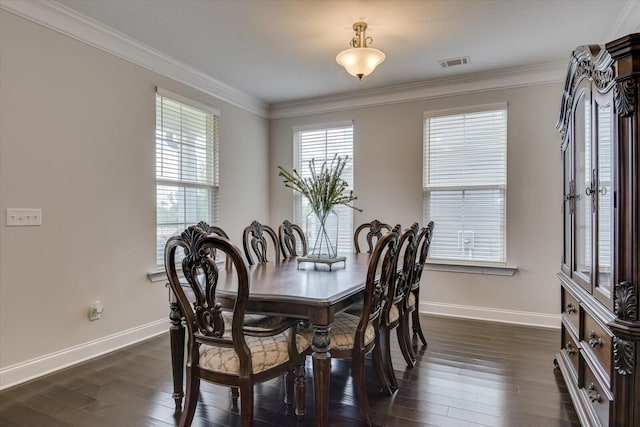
point(324, 189)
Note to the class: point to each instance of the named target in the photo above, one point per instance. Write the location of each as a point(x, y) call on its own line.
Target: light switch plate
point(23, 217)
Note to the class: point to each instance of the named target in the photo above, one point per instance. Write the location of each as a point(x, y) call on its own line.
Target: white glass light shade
point(360, 61)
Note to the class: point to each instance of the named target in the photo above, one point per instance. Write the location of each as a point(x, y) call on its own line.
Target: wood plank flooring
point(472, 374)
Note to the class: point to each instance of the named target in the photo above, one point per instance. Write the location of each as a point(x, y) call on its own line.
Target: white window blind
point(322, 144)
point(465, 174)
point(186, 166)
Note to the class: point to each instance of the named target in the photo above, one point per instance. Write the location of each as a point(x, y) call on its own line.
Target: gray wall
point(77, 140)
point(388, 183)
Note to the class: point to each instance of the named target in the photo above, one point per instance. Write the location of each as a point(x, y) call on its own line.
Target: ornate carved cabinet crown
point(600, 276)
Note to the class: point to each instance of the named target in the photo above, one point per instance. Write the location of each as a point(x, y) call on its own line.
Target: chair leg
point(288, 388)
point(246, 404)
point(386, 357)
point(360, 385)
point(417, 328)
point(191, 399)
point(378, 364)
point(301, 389)
point(404, 340)
point(234, 393)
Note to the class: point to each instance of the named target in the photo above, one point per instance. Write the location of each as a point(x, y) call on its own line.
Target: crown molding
point(552, 72)
point(59, 18)
point(66, 21)
point(628, 21)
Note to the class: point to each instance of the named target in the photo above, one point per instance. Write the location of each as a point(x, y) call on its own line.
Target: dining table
point(314, 292)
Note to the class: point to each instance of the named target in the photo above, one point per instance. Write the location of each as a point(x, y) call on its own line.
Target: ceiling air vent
point(446, 63)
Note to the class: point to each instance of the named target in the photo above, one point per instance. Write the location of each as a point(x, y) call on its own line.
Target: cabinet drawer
point(596, 396)
point(597, 342)
point(571, 350)
point(570, 309)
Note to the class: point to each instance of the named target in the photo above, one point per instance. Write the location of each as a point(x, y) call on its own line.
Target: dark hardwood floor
point(472, 374)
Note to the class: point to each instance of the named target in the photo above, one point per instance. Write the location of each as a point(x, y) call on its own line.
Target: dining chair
point(287, 232)
point(253, 241)
point(393, 313)
point(354, 337)
point(234, 355)
point(413, 297)
point(217, 231)
point(250, 320)
point(375, 228)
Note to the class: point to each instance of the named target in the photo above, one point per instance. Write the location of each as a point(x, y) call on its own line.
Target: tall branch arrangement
point(324, 189)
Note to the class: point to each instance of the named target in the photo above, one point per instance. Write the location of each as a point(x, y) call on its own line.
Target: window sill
point(471, 268)
point(158, 275)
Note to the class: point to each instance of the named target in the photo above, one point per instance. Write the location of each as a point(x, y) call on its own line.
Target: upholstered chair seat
point(266, 353)
point(343, 332)
point(394, 313)
point(411, 300)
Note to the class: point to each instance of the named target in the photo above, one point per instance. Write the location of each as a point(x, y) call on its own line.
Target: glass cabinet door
point(603, 192)
point(583, 194)
point(568, 192)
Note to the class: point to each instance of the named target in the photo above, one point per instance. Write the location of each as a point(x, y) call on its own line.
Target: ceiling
point(284, 50)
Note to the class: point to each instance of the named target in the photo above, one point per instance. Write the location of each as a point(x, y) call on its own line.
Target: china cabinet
point(599, 273)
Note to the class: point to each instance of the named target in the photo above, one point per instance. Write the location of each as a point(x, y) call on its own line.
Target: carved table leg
point(176, 334)
point(300, 390)
point(234, 393)
point(288, 388)
point(321, 372)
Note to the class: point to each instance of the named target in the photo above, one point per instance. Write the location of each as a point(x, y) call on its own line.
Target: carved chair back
point(254, 242)
point(203, 316)
point(424, 242)
point(383, 261)
point(288, 242)
point(394, 315)
point(216, 231)
point(406, 268)
point(375, 228)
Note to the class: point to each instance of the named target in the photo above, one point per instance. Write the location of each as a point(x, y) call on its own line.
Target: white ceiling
point(284, 50)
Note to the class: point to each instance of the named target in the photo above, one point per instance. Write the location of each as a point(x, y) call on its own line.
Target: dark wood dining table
point(306, 290)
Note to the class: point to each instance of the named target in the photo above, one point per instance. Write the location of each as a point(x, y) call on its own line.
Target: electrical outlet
point(95, 310)
point(24, 217)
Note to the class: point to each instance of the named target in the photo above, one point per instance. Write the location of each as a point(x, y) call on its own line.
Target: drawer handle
point(594, 396)
point(570, 309)
point(593, 341)
point(568, 348)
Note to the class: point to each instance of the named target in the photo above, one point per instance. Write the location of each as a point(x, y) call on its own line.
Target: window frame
point(212, 187)
point(298, 214)
point(467, 265)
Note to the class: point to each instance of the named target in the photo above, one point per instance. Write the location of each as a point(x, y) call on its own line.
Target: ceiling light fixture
point(360, 60)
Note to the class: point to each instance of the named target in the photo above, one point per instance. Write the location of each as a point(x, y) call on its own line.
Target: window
point(322, 143)
point(465, 180)
point(186, 166)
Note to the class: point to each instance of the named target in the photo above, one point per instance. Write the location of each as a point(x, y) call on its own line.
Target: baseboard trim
point(39, 366)
point(527, 318)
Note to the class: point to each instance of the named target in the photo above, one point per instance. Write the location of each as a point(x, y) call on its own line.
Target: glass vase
point(322, 235)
